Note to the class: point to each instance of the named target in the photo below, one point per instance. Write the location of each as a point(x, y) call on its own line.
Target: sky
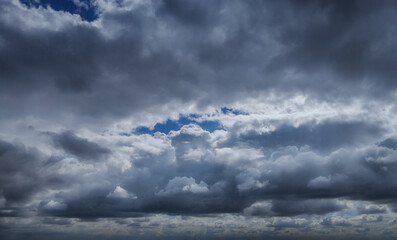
point(185, 119)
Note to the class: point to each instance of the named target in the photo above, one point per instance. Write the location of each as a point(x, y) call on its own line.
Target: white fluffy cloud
point(120, 192)
point(184, 185)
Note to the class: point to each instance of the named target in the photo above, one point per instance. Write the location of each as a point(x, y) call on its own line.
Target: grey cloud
point(23, 173)
point(81, 71)
point(364, 174)
point(77, 146)
point(293, 207)
point(56, 221)
point(190, 12)
point(208, 185)
point(371, 209)
point(179, 185)
point(335, 223)
point(71, 67)
point(372, 219)
point(19, 168)
point(93, 203)
point(311, 206)
point(389, 143)
point(325, 136)
point(343, 40)
point(393, 207)
point(281, 224)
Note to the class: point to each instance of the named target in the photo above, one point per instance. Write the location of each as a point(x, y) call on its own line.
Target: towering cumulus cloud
point(185, 119)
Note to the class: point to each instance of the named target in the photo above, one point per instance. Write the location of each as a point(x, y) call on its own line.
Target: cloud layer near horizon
point(302, 94)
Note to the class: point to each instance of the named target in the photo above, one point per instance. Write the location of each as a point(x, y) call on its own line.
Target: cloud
point(77, 146)
point(389, 143)
point(278, 113)
point(53, 205)
point(325, 136)
point(236, 182)
point(91, 82)
point(184, 185)
point(288, 223)
point(56, 221)
point(371, 209)
point(120, 192)
point(293, 207)
point(338, 222)
point(19, 176)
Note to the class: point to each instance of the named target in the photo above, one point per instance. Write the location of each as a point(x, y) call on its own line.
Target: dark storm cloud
point(341, 38)
point(208, 185)
point(190, 12)
point(53, 64)
point(56, 221)
point(77, 146)
point(293, 207)
point(73, 67)
point(313, 206)
point(389, 143)
point(92, 204)
point(19, 168)
point(359, 175)
point(80, 70)
point(24, 172)
point(325, 136)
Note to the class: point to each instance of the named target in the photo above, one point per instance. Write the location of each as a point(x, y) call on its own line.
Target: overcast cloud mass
point(185, 119)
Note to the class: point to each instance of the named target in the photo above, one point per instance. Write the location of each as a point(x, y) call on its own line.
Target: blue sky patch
point(226, 110)
point(175, 125)
point(210, 126)
point(84, 8)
